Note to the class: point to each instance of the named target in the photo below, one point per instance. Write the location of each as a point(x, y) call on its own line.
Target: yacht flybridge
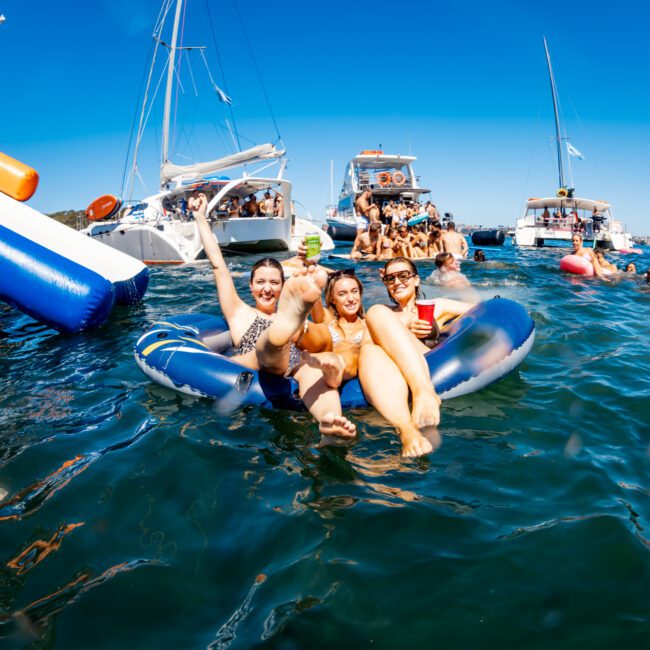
point(556, 218)
point(388, 177)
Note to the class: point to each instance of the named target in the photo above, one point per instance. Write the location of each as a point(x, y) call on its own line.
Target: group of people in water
point(289, 331)
point(602, 267)
point(379, 242)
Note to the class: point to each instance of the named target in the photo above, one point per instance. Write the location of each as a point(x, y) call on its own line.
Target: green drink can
point(313, 247)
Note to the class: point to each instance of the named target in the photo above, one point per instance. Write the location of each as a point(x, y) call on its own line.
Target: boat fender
point(383, 178)
point(399, 178)
point(17, 180)
point(577, 265)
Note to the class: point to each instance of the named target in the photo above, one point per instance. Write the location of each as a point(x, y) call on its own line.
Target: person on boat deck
point(597, 219)
point(447, 273)
point(268, 204)
point(393, 366)
point(435, 242)
point(251, 208)
point(630, 268)
point(366, 209)
point(366, 243)
point(546, 216)
point(278, 205)
point(557, 217)
point(453, 242)
point(386, 243)
point(433, 215)
point(263, 336)
point(607, 267)
point(586, 253)
point(234, 207)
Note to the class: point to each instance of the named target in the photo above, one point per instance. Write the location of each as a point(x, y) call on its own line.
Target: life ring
point(383, 178)
point(399, 179)
point(563, 192)
point(185, 353)
point(577, 265)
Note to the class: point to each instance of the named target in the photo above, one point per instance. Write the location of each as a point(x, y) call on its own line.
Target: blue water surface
point(135, 517)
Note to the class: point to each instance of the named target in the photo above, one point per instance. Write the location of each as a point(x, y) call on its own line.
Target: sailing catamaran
point(159, 229)
point(556, 218)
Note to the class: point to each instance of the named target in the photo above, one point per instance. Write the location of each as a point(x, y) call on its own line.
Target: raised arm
point(228, 297)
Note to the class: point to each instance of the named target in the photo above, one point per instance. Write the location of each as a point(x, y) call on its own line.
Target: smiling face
point(576, 240)
point(401, 282)
point(265, 288)
point(344, 296)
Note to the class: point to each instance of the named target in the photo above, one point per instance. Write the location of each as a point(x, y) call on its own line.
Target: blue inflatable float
point(185, 353)
point(57, 275)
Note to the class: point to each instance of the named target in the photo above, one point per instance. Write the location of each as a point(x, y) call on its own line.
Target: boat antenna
point(558, 136)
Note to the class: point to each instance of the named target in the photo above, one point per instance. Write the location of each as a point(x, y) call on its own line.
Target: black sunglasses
point(335, 275)
point(402, 276)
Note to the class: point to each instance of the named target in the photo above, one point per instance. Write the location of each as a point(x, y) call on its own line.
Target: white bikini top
point(337, 338)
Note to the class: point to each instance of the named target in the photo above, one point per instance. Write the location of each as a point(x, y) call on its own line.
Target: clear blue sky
point(461, 85)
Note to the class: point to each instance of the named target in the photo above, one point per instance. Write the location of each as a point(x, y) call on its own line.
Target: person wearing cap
point(366, 244)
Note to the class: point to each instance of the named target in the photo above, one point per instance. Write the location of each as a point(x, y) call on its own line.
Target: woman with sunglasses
point(333, 341)
point(263, 335)
point(394, 365)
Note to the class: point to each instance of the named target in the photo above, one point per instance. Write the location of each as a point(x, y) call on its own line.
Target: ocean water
point(135, 517)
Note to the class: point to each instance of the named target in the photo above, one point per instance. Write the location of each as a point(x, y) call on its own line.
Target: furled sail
point(259, 153)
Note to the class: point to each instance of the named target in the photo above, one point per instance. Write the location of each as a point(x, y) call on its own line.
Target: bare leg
point(386, 389)
point(403, 348)
point(298, 296)
point(323, 402)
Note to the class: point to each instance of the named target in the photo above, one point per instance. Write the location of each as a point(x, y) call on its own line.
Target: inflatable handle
point(17, 180)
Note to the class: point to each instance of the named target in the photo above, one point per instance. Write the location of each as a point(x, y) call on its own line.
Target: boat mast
point(558, 136)
point(168, 91)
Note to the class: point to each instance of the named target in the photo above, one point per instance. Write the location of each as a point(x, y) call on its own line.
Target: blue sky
point(461, 85)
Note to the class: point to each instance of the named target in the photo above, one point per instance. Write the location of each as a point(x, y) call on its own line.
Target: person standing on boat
point(433, 220)
point(597, 219)
point(234, 207)
point(251, 208)
point(367, 211)
point(279, 205)
point(453, 242)
point(263, 335)
point(268, 204)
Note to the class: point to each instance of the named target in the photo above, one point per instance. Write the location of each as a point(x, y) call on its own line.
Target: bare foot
point(299, 294)
point(426, 409)
point(413, 442)
point(337, 426)
point(330, 363)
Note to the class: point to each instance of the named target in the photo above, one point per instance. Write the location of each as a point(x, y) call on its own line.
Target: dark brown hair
point(411, 265)
point(329, 290)
point(270, 262)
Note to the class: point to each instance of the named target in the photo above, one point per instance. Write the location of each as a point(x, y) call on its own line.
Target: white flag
point(222, 96)
point(572, 151)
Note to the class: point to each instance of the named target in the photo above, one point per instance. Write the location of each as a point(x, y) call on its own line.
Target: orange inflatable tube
point(17, 180)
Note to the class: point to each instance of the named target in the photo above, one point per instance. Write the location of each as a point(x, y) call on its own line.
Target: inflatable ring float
point(576, 265)
point(383, 178)
point(399, 178)
point(186, 354)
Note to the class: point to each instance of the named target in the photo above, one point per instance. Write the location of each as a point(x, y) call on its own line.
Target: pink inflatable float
point(576, 264)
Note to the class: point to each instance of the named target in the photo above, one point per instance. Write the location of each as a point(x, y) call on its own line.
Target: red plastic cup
point(425, 310)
